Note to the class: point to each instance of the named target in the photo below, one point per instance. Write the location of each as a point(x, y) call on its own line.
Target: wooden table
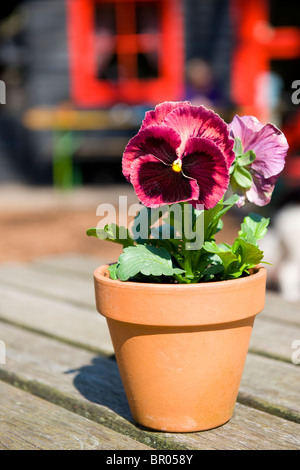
point(60, 387)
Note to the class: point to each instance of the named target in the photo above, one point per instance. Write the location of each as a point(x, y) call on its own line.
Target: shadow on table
point(100, 383)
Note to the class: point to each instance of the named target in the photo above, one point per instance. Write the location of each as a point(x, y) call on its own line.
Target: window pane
point(108, 69)
point(105, 45)
point(105, 18)
point(285, 13)
point(127, 39)
point(147, 17)
point(127, 66)
point(148, 65)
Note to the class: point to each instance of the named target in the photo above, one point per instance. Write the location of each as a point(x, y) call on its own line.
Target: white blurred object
point(289, 280)
point(272, 248)
point(287, 224)
point(281, 247)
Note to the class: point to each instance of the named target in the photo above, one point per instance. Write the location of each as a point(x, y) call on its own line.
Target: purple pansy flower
point(270, 147)
point(181, 153)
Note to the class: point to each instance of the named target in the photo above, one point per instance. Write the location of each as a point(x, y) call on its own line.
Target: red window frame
point(89, 91)
point(257, 44)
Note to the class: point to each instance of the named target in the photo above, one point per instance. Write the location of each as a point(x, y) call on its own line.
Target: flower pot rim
point(212, 303)
point(101, 274)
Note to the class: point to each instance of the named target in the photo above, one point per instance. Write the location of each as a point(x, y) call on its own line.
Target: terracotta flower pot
point(181, 349)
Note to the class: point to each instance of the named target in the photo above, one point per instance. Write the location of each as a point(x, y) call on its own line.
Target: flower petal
point(161, 111)
point(156, 184)
point(261, 190)
point(243, 127)
point(271, 149)
point(267, 141)
point(204, 162)
point(198, 121)
point(160, 141)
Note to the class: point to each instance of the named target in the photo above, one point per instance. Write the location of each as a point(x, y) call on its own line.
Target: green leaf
point(230, 201)
point(228, 259)
point(254, 227)
point(238, 147)
point(163, 232)
point(248, 235)
point(141, 225)
point(236, 259)
point(147, 260)
point(213, 272)
point(211, 247)
point(213, 269)
point(212, 217)
point(242, 177)
point(249, 255)
point(113, 271)
point(113, 233)
point(246, 159)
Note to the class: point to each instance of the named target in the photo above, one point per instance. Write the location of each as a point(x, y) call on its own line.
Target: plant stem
point(187, 256)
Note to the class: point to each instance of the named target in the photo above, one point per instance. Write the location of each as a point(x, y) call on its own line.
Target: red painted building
point(265, 65)
point(95, 54)
point(125, 51)
point(258, 44)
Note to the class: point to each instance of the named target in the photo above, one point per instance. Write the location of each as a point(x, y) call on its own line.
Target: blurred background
point(76, 79)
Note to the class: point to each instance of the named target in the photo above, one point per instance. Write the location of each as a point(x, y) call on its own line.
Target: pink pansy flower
point(270, 147)
point(181, 153)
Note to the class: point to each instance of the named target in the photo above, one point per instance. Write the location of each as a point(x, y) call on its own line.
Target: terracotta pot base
point(180, 377)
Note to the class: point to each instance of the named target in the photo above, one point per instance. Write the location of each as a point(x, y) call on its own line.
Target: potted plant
point(180, 307)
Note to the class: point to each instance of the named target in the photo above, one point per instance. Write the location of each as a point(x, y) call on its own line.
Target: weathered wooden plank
point(59, 319)
point(52, 284)
point(281, 310)
point(71, 263)
point(271, 385)
point(250, 429)
point(77, 380)
point(28, 422)
point(274, 339)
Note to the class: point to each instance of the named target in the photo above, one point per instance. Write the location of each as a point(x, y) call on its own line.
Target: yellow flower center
point(176, 165)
